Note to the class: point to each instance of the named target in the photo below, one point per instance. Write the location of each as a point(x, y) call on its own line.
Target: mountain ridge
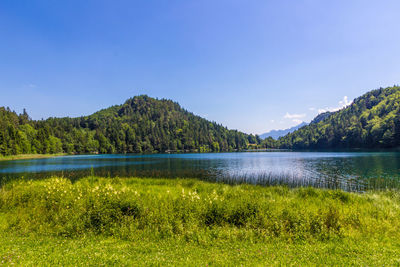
point(275, 134)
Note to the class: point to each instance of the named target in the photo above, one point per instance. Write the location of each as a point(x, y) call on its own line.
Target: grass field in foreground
point(138, 221)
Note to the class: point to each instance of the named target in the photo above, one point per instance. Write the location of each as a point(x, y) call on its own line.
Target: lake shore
point(31, 156)
point(130, 221)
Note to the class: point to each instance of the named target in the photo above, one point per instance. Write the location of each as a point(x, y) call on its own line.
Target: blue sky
point(250, 65)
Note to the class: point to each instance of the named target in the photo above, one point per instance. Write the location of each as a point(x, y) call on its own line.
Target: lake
point(352, 171)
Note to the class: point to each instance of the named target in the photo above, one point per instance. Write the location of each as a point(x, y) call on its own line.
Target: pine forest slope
point(145, 124)
point(371, 121)
point(141, 124)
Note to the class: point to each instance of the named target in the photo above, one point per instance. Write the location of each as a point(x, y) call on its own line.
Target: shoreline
point(31, 156)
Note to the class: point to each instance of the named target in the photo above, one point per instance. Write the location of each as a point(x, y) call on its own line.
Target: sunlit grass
point(187, 221)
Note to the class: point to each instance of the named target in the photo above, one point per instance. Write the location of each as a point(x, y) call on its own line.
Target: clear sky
point(250, 65)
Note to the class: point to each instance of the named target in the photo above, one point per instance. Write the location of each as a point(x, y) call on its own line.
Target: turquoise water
point(345, 170)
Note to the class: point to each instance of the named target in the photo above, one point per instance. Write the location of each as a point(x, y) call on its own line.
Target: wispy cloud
point(298, 121)
point(311, 109)
point(342, 104)
point(294, 116)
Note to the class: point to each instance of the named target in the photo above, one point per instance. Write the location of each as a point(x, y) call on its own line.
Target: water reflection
point(347, 170)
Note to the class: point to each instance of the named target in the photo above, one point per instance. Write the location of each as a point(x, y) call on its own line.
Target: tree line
point(142, 124)
point(371, 121)
point(147, 125)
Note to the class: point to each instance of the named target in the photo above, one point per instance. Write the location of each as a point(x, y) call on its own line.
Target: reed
point(355, 184)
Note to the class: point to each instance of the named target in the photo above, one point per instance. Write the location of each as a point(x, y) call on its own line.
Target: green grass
point(49, 251)
point(139, 221)
point(30, 156)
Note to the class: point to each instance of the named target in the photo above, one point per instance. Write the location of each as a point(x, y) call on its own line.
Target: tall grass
point(192, 210)
point(291, 180)
point(288, 179)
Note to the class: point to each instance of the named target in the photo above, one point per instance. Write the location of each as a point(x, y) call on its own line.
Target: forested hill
point(141, 124)
point(371, 121)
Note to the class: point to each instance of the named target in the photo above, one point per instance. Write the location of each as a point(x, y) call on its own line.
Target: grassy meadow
point(139, 221)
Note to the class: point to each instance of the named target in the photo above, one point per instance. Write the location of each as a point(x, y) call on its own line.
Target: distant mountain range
point(275, 134)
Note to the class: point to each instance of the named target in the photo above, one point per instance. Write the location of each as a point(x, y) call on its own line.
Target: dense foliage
point(145, 124)
point(141, 124)
point(371, 121)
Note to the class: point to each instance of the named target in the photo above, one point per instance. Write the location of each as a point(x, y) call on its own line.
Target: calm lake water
point(354, 171)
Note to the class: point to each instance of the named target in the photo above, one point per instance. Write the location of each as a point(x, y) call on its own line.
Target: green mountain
point(371, 121)
point(321, 117)
point(141, 124)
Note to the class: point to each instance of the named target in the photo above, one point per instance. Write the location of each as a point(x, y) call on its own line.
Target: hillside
point(275, 134)
point(371, 121)
point(321, 117)
point(141, 124)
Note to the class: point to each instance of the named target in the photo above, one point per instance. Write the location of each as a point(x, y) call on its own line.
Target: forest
point(141, 124)
point(148, 125)
point(372, 121)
